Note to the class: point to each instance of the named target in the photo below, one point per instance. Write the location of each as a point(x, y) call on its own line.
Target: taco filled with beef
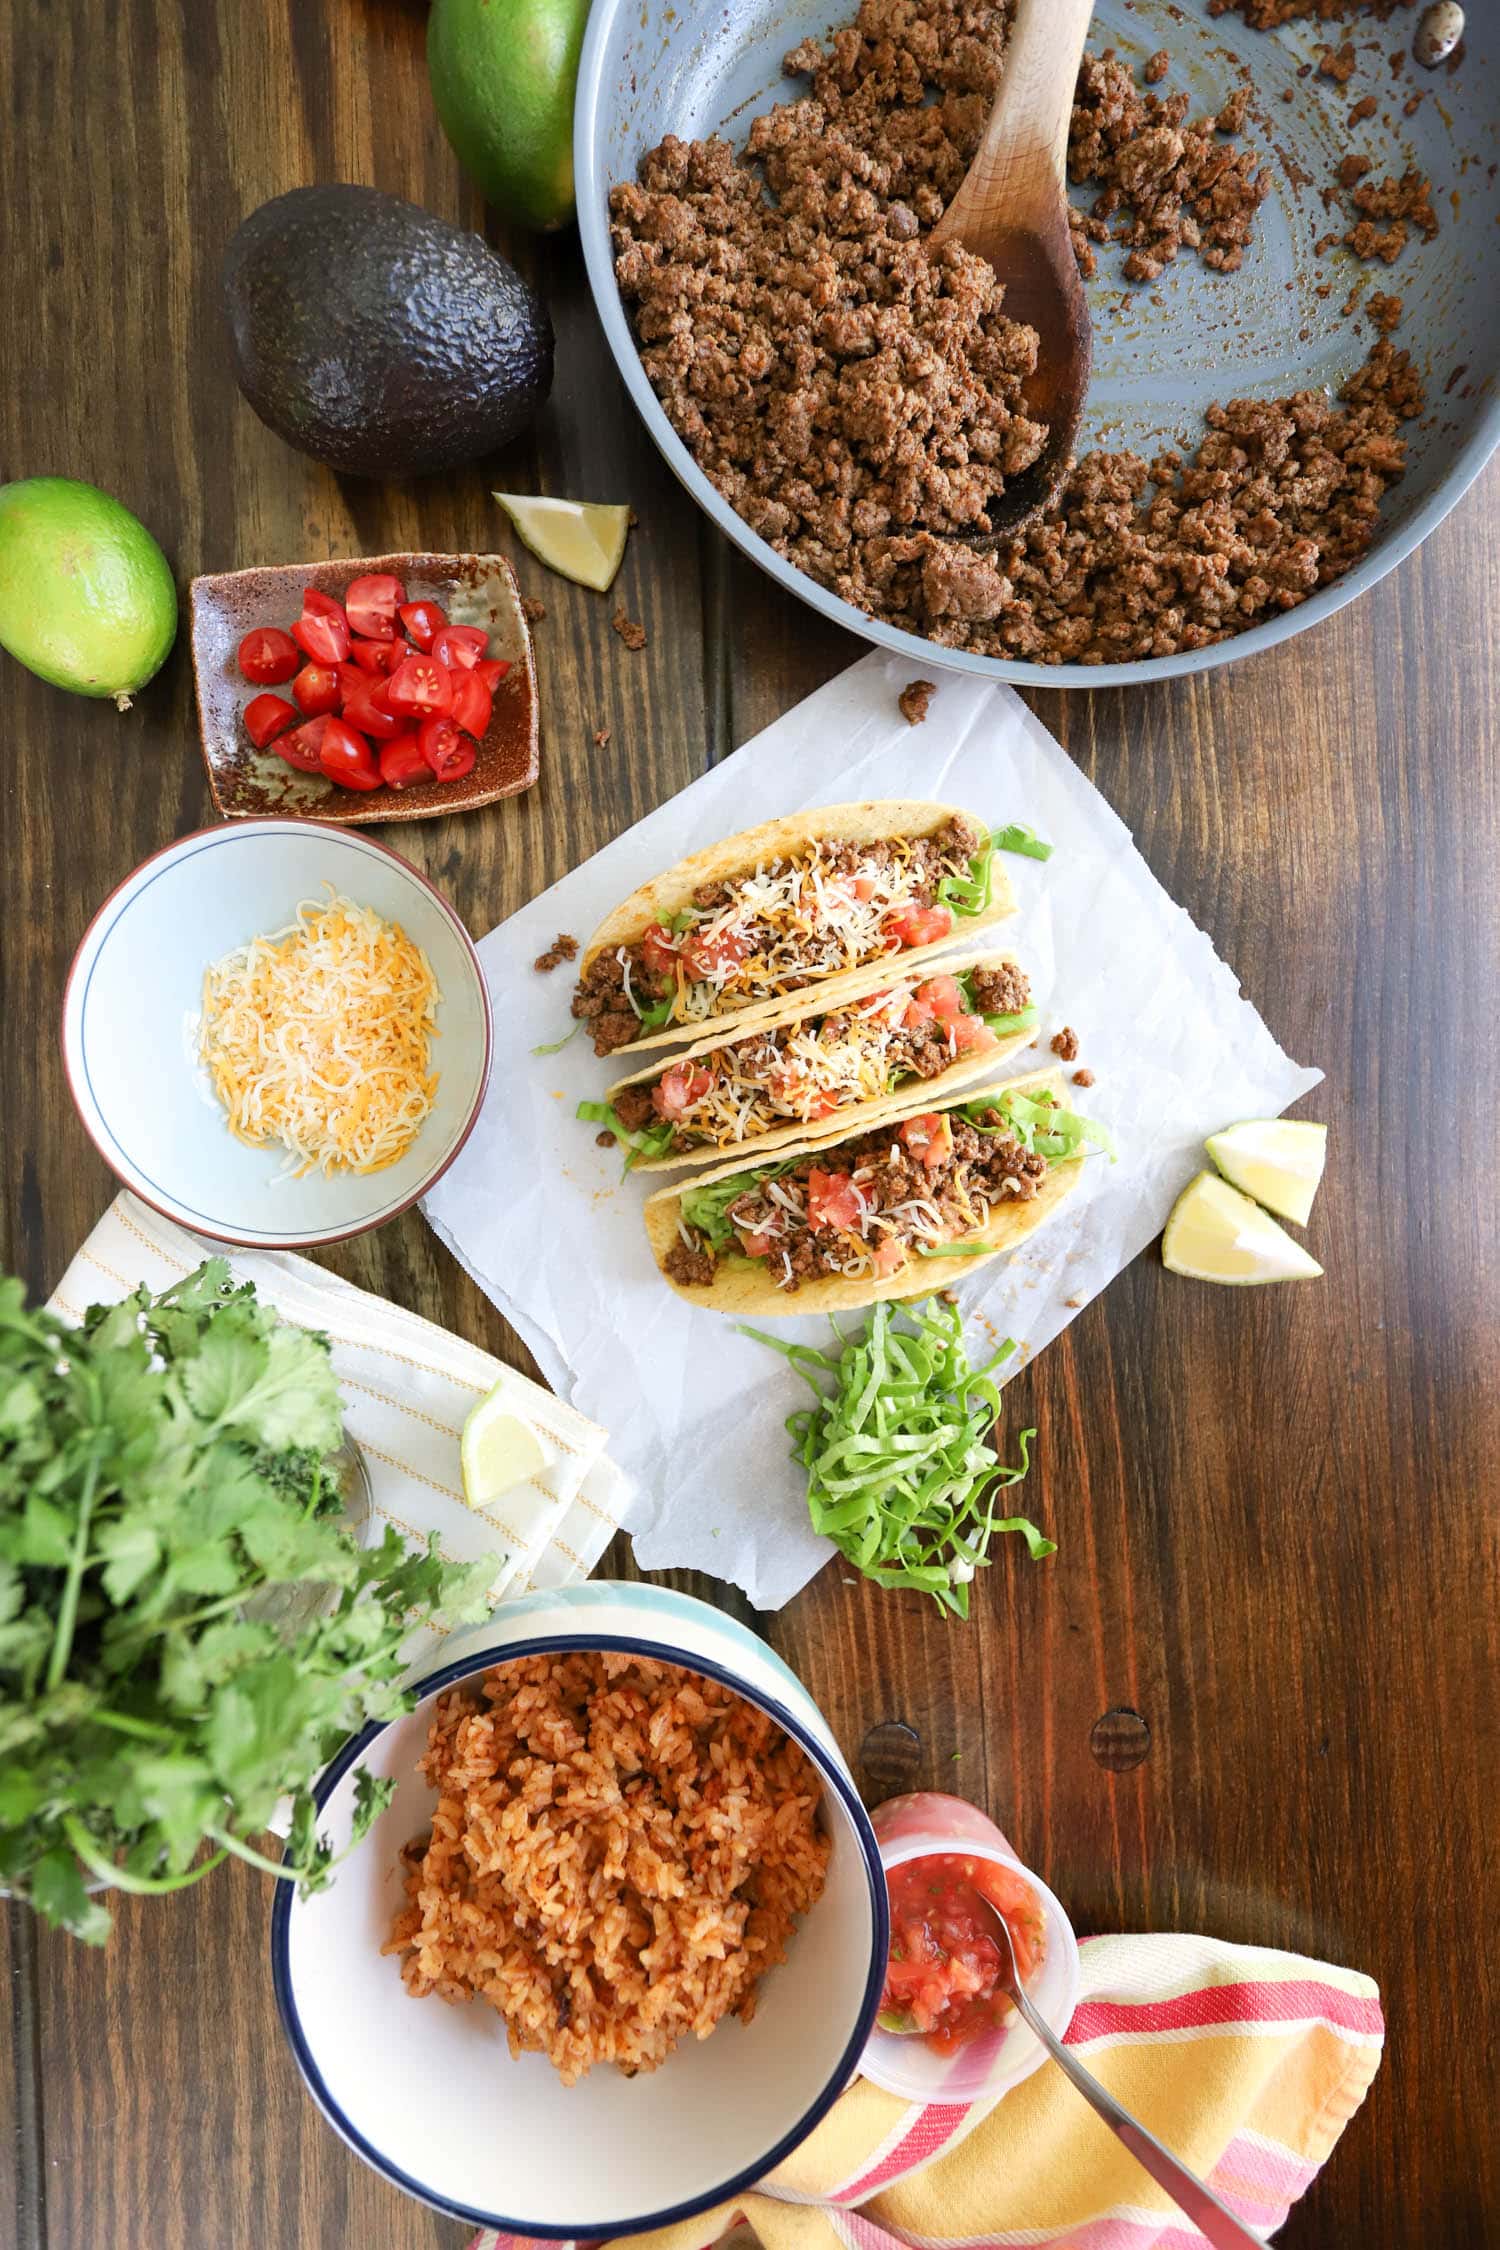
point(818, 895)
point(903, 1207)
point(815, 1069)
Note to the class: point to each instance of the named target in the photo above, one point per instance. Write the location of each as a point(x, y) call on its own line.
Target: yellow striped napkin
point(408, 1387)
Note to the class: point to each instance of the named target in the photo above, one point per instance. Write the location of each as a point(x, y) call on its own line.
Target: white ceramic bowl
point(131, 1010)
point(430, 2094)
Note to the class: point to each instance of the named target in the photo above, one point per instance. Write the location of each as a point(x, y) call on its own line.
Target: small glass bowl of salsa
point(944, 2032)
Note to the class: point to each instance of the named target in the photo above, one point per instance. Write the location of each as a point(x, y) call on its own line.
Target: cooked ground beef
point(630, 632)
point(1386, 206)
point(1338, 62)
point(913, 700)
point(693, 1269)
point(632, 1106)
point(1083, 1078)
point(562, 948)
point(859, 403)
point(1000, 992)
point(1065, 1043)
point(532, 609)
point(1265, 15)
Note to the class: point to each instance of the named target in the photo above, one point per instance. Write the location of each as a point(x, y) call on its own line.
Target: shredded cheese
point(319, 1037)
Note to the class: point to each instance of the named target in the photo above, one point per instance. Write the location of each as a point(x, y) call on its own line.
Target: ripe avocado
point(378, 338)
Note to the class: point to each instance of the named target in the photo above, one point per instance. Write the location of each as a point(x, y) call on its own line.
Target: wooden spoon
point(1012, 210)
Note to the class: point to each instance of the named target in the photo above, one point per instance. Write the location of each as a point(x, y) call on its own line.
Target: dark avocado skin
point(378, 338)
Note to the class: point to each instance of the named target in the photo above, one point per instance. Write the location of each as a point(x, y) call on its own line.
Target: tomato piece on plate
point(376, 659)
point(316, 689)
point(324, 639)
point(460, 644)
point(420, 688)
point(267, 657)
point(302, 747)
point(402, 762)
point(371, 713)
point(919, 925)
point(833, 1200)
point(929, 1138)
point(423, 621)
point(372, 602)
point(445, 749)
point(942, 996)
point(267, 715)
point(345, 758)
point(659, 950)
point(472, 704)
point(680, 1089)
point(492, 670)
point(706, 956)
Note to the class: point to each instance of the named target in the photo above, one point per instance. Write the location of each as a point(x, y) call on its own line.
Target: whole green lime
point(503, 76)
point(86, 595)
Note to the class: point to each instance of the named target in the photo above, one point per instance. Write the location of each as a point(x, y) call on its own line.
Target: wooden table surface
point(1275, 1508)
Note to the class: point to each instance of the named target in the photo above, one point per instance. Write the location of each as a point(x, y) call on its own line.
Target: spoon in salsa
point(1011, 209)
point(1187, 2191)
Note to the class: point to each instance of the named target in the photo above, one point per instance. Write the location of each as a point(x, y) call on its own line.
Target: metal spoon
point(1011, 209)
point(1185, 2188)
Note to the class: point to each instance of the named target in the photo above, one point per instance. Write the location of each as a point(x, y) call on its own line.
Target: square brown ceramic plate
point(249, 783)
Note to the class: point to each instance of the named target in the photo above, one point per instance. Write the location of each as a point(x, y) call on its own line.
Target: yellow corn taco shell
point(743, 1287)
point(858, 1116)
point(668, 894)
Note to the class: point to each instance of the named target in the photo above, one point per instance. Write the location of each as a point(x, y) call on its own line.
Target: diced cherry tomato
point(376, 659)
point(402, 762)
point(659, 950)
point(942, 996)
point(472, 704)
point(372, 602)
point(302, 747)
point(705, 956)
point(833, 1200)
point(265, 716)
point(757, 1245)
point(423, 621)
point(345, 758)
point(445, 749)
point(680, 1089)
point(315, 604)
point(971, 1035)
point(371, 713)
point(492, 670)
point(420, 688)
point(325, 639)
point(460, 644)
point(929, 1137)
point(267, 656)
point(919, 925)
point(352, 681)
point(864, 886)
point(888, 1255)
point(316, 689)
point(917, 1013)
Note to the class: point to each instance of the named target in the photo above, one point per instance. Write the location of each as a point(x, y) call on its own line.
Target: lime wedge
point(1217, 1234)
point(1278, 1160)
point(498, 1450)
point(580, 539)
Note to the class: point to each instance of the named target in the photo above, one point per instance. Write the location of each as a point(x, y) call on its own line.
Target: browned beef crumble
point(991, 1164)
point(1083, 1078)
point(1003, 991)
point(1338, 63)
point(1388, 209)
point(1065, 1044)
point(632, 1106)
point(562, 948)
point(1365, 107)
point(533, 610)
point(601, 738)
point(1383, 311)
point(692, 1269)
point(914, 699)
point(632, 633)
point(859, 404)
point(1266, 15)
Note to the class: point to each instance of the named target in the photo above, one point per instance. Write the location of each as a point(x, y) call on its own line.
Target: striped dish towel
point(407, 1387)
point(1247, 2063)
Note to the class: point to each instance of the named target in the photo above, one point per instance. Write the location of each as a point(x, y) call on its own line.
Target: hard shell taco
point(895, 1210)
point(817, 1068)
point(797, 901)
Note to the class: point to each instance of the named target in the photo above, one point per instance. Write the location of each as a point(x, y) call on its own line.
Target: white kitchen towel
point(408, 1387)
point(544, 1222)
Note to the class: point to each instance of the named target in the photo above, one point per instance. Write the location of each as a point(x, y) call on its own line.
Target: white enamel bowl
point(430, 2095)
point(131, 1010)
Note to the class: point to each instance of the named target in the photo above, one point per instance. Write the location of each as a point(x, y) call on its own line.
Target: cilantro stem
point(67, 1608)
point(247, 1852)
point(119, 1878)
point(123, 1723)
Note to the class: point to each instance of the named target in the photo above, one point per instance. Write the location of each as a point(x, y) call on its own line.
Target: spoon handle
point(1187, 2191)
point(1019, 168)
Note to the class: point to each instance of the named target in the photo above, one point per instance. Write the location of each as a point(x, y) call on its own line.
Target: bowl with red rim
point(279, 607)
point(132, 1017)
point(936, 1851)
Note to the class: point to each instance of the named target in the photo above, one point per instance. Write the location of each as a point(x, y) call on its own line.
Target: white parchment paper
point(544, 1222)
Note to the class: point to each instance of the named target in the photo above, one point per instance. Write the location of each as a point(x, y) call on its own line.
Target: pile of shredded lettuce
point(902, 1475)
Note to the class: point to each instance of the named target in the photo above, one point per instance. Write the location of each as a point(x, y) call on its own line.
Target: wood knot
point(1120, 1739)
point(890, 1761)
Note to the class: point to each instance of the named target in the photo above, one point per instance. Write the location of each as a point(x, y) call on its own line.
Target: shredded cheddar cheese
point(319, 1037)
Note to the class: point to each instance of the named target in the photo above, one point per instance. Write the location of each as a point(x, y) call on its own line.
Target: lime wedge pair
point(580, 539)
point(1218, 1230)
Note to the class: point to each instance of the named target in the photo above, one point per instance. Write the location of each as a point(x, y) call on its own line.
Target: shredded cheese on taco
point(319, 1036)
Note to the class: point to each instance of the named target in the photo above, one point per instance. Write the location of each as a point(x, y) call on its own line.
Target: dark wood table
point(1276, 1509)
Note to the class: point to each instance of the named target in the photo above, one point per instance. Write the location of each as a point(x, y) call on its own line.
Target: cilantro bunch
point(161, 1473)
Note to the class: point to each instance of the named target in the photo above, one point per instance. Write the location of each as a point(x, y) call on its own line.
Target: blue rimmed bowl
point(431, 2096)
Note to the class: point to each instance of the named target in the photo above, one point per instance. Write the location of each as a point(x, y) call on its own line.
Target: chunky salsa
point(945, 1978)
